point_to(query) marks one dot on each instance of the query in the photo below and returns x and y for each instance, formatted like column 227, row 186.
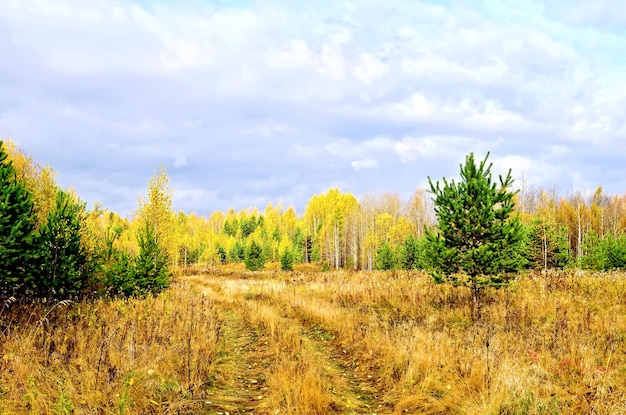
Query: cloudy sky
column 247, row 102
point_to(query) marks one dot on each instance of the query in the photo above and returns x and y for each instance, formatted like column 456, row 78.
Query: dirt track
column 273, row 359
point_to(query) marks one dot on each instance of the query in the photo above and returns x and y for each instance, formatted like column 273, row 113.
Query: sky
column 250, row 102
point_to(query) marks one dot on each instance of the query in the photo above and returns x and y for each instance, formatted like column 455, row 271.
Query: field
column 232, row 342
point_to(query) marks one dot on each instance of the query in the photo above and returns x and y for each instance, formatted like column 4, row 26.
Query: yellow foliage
column 157, row 210
column 40, row 181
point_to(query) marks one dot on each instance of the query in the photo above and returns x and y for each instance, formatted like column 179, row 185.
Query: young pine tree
column 237, row 253
column 286, row 260
column 385, row 258
column 477, row 240
column 19, row 248
column 547, row 245
column 411, row 255
column 65, row 261
column 152, row 274
column 254, row 259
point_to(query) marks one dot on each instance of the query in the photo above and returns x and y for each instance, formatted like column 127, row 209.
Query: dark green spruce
column 19, row 250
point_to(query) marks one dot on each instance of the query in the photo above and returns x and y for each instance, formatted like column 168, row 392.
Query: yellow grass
column 323, row 343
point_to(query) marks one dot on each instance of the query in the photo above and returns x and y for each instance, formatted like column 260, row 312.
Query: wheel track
column 239, row 382
column 351, row 394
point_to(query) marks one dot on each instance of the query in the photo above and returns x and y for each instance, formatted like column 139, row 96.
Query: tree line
column 384, row 232
column 52, row 246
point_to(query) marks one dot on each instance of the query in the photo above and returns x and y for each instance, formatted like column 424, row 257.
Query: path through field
column 273, row 357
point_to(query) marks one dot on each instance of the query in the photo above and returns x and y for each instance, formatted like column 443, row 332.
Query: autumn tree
column 419, row 212
column 39, row 180
column 19, row 250
column 476, row 241
column 156, row 239
column 156, row 211
column 326, row 217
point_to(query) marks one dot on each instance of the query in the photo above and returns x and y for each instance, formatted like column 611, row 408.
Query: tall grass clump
column 151, row 355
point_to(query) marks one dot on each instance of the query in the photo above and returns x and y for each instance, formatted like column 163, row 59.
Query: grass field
column 323, row 343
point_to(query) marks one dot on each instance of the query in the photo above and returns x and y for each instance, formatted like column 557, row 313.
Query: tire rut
column 239, row 382
column 351, row 393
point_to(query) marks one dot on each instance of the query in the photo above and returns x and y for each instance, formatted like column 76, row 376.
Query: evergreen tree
column 248, row 226
column 156, row 210
column 476, row 242
column 221, row 253
column 385, row 258
column 65, row 261
column 596, row 255
column 119, row 275
column 237, row 253
column 316, row 255
column 269, row 254
column 19, row 249
column 298, row 241
column 152, row 274
column 547, row 245
column 410, row 254
column 230, row 229
column 616, row 251
column 254, row 259
column 286, row 261
column 604, row 254
column 116, row 267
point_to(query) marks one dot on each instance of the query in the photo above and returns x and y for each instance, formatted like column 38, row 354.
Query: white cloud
column 414, row 107
column 364, row 164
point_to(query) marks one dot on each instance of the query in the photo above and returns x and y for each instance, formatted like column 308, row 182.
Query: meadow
column 308, row 342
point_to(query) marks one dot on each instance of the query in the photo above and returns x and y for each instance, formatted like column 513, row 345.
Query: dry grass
column 137, row 356
column 324, row 343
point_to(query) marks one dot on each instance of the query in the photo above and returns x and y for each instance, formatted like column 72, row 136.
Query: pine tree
column 237, row 253
column 410, row 254
column 477, row 239
column 152, row 273
column 19, row 250
column 547, row 245
column 299, row 252
column 606, row 254
column 286, row 261
column 119, row 275
column 616, row 247
column 254, row 259
column 65, row 261
column 385, row 258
